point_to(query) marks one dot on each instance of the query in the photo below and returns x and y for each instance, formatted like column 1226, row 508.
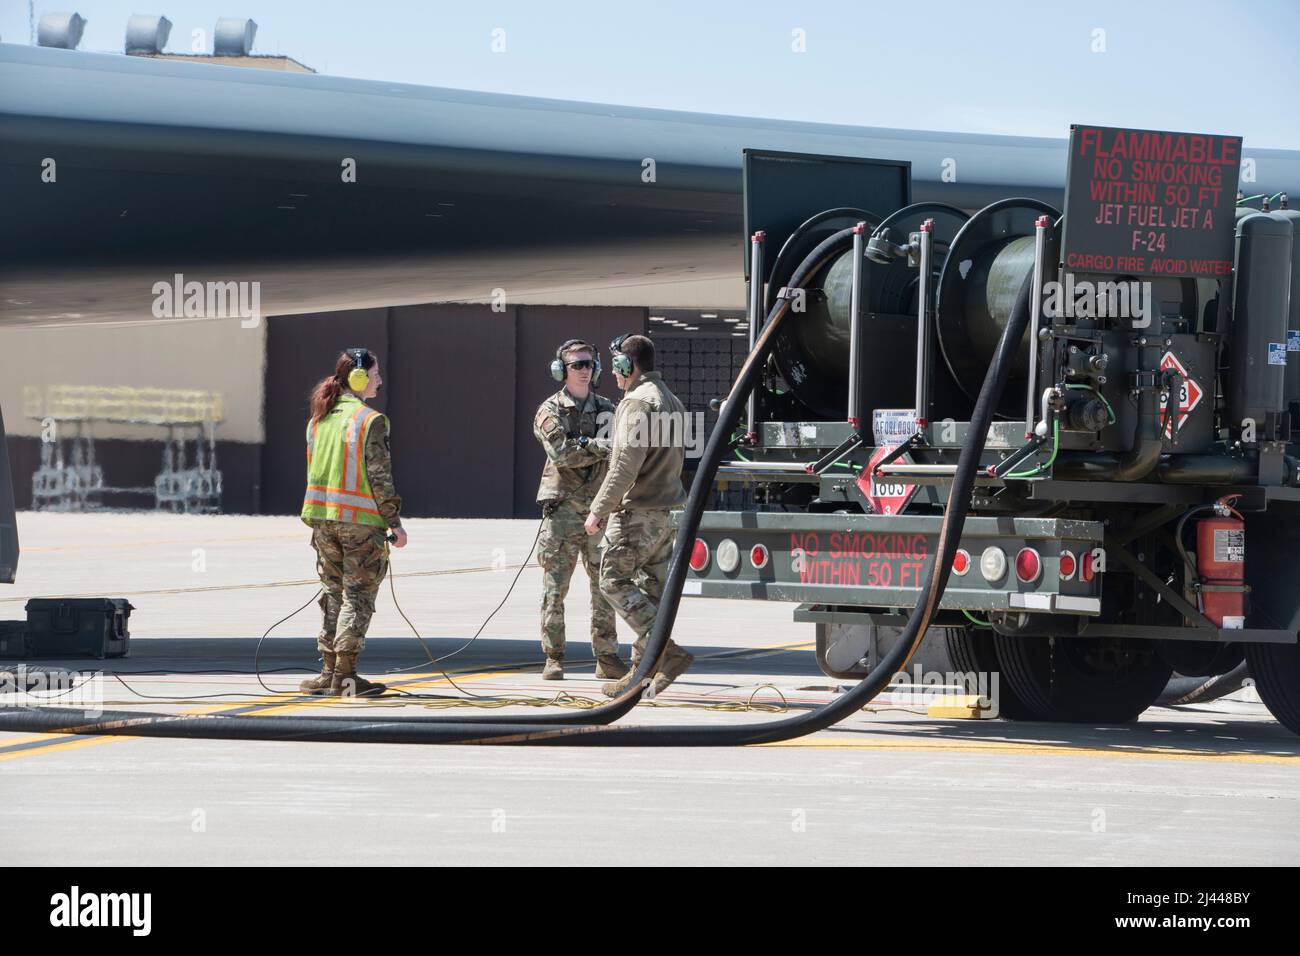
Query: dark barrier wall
column 452, row 403
column 461, row 385
column 300, row 350
column 541, row 328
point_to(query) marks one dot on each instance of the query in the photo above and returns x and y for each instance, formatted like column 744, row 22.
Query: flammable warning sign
column 1150, row 203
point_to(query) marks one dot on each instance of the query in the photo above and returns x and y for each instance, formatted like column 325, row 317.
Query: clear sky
column 994, row 66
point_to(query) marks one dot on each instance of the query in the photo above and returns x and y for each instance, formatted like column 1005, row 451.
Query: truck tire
column 971, row 651
column 1276, row 670
column 1083, row 680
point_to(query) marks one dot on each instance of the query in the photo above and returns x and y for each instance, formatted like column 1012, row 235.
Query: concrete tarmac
column 1219, row 782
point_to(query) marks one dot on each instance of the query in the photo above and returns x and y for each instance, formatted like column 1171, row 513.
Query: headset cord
column 437, row 661
column 434, row 661
column 257, row 667
column 257, row 672
column 257, row 652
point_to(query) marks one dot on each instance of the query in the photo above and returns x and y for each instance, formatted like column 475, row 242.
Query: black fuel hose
column 1201, row 690
column 821, row 256
column 516, row 731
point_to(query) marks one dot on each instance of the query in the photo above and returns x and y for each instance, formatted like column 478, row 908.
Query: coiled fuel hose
column 582, row 728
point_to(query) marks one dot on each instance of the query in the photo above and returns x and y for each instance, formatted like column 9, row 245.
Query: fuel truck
column 1135, row 510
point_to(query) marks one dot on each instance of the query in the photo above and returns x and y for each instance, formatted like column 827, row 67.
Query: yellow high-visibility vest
column 338, row 487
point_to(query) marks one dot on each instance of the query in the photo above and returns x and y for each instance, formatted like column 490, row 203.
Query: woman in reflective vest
column 354, row 511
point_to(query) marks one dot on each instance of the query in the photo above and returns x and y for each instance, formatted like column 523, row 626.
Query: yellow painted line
column 293, row 705
column 52, row 747
column 29, row 739
column 796, row 646
column 199, row 711
column 1037, row 749
column 59, row 742
column 317, row 702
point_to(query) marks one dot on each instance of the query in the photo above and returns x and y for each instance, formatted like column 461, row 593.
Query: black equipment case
column 78, row 627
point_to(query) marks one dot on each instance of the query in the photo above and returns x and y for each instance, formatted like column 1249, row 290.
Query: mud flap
column 1273, row 566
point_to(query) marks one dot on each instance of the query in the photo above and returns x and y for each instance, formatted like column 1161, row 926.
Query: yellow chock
column 958, row 707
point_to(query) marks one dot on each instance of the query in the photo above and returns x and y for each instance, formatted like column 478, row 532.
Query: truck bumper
column 879, row 561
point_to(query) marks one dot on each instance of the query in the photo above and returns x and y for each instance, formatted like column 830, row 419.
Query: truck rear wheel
column 972, row 652
column 1095, row 680
column 1276, row 670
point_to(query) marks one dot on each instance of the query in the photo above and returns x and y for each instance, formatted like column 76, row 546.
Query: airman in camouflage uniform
column 568, row 425
column 643, row 485
column 352, row 559
column 351, row 552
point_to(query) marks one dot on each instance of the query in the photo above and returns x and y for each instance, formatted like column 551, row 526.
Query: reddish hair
column 329, row 389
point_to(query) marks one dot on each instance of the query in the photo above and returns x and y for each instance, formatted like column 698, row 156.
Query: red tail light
column 1068, row 566
column 699, row 555
column 1029, row 566
column 758, row 556
column 961, row 562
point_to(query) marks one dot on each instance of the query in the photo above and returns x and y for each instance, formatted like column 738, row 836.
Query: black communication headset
column 622, row 361
column 358, row 378
column 558, row 365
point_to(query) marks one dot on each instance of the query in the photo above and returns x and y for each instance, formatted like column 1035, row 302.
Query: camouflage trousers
column 562, row 544
column 351, row 560
column 638, row 546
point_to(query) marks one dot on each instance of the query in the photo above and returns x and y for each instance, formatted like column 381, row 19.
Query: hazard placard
column 887, row 496
column 1189, row 396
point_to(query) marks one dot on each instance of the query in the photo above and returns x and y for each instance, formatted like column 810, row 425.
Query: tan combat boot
column 346, row 681
column 321, row 683
column 676, row 661
column 554, row 670
column 610, row 667
column 616, row 688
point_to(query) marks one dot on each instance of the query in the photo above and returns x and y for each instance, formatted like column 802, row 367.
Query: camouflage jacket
column 379, row 469
column 645, row 463
column 571, row 471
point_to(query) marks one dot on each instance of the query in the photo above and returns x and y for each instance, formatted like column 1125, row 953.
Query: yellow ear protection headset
column 558, row 367
column 358, row 380
column 622, row 361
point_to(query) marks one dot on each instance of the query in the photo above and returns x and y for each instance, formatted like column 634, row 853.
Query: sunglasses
column 581, row 364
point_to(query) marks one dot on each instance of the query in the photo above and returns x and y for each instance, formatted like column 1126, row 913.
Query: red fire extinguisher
column 1221, row 566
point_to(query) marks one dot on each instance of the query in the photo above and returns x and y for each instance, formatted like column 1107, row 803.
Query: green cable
column 1109, row 411
column 1056, row 446
column 1250, row 198
column 974, row 620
